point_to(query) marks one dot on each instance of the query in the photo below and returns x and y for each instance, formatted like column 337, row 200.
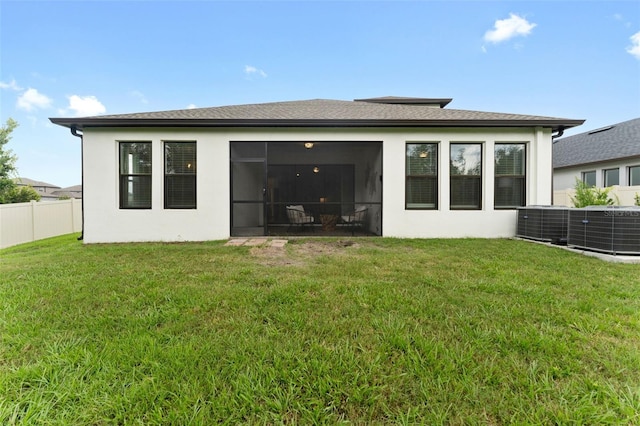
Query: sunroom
column 329, row 180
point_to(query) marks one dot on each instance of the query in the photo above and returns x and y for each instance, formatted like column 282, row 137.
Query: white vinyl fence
column 621, row 195
column 25, row 222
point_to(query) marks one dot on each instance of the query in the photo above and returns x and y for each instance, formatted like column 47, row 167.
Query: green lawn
column 367, row 331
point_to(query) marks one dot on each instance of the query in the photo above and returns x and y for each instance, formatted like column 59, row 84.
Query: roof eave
column 596, row 162
column 83, row 123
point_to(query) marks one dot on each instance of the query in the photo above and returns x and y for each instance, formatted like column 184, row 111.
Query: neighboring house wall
column 612, row 147
column 106, row 222
column 25, row 222
column 43, row 188
column 565, row 178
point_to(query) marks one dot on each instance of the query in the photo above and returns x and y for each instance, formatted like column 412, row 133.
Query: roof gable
column 374, row 112
column 618, row 141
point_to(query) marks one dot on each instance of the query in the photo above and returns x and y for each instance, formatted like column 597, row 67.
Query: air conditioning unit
column 613, row 230
column 543, row 223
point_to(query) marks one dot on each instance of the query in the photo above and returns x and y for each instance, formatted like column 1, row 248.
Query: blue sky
column 570, row 59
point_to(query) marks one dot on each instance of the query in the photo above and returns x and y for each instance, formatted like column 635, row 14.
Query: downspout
column 559, row 134
column 74, row 132
column 553, row 138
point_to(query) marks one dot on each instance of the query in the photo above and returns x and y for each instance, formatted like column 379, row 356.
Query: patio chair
column 356, row 219
column 299, row 217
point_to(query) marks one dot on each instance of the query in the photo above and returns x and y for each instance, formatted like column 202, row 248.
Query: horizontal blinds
column 180, row 175
column 509, row 192
column 135, row 158
column 180, row 157
column 421, row 186
column 510, row 159
column 466, row 159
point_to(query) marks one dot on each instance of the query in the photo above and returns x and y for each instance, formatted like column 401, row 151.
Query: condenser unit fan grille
column 605, row 229
column 543, row 223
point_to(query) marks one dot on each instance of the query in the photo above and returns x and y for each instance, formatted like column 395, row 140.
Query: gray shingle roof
column 34, row 183
column 618, row 141
column 322, row 112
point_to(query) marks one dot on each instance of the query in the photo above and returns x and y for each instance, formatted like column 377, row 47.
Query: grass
column 324, row 331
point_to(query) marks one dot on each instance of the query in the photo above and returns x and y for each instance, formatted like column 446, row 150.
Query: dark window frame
column 180, row 176
column 130, row 179
column 589, row 173
column 518, row 181
column 429, row 178
column 606, row 178
column 631, row 175
column 468, row 183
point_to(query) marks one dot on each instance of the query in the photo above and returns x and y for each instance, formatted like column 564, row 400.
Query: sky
column 577, row 59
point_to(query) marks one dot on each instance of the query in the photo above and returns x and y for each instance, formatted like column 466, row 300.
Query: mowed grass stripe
column 366, row 331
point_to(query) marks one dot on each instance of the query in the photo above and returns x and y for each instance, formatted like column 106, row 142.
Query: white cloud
column 251, row 70
column 32, row 99
column 12, row 85
column 86, row 105
column 634, row 49
column 191, row 106
column 505, row 29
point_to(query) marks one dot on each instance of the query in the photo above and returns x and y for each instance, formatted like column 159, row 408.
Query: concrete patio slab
column 278, row 243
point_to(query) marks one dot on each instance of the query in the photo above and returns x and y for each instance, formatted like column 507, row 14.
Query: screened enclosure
column 329, row 181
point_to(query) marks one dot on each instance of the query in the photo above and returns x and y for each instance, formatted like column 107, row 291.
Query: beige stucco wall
column 621, row 196
column 105, row 222
column 565, row 178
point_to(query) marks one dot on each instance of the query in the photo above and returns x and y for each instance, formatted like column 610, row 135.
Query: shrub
column 587, row 195
column 22, row 194
column 637, row 198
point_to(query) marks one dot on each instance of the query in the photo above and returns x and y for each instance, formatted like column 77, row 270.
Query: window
column 466, row 176
column 589, row 178
column 611, row 177
column 135, row 175
column 634, row 175
column 180, row 175
column 421, row 190
column 510, row 166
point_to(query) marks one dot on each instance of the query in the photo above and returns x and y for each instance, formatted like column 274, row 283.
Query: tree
column 9, row 191
column 7, row 161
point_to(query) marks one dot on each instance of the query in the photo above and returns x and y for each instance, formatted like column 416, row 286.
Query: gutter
column 80, row 123
column 74, row 132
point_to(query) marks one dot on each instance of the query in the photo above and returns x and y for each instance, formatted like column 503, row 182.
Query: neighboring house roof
column 615, row 142
column 374, row 112
column 50, row 191
column 71, row 191
column 35, row 184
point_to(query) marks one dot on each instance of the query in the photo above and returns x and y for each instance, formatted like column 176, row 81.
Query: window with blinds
column 421, row 188
column 465, row 168
column 180, row 175
column 135, row 175
column 510, row 175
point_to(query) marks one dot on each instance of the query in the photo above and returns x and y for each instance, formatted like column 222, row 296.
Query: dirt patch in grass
column 300, row 253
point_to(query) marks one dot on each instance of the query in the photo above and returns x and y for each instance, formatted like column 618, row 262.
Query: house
column 50, row 192
column 604, row 157
column 44, row 189
column 419, row 168
column 74, row 191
